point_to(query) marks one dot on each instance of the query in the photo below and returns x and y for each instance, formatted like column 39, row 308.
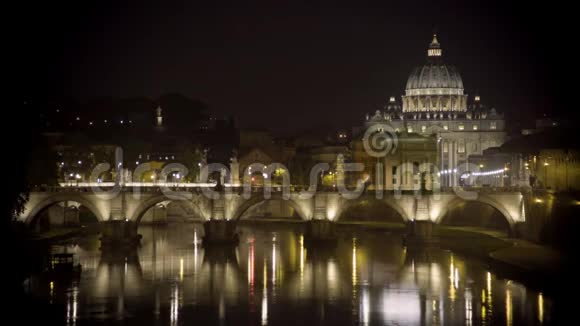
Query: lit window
column 445, row 147
column 410, row 129
column 461, row 127
column 423, row 128
column 461, row 147
column 445, row 127
column 492, row 125
column 474, row 127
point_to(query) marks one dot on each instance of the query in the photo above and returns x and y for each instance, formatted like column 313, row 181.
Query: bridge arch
column 145, row 205
column 389, row 204
column 256, row 200
column 59, row 198
column 481, row 199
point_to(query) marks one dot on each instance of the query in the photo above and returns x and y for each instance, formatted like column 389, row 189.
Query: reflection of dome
column 434, row 86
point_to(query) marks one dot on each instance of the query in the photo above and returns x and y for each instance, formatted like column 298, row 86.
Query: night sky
column 281, row 63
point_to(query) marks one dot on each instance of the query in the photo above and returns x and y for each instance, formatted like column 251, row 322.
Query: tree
column 181, row 112
column 191, row 159
column 299, row 167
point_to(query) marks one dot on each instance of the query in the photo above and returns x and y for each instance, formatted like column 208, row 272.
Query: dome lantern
column 434, row 48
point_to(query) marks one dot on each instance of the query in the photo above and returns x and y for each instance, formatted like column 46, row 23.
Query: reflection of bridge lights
column 540, row 307
column 468, row 307
column 174, row 306
column 274, row 263
column 181, row 269
column 51, row 293
column 72, row 306
column 508, row 306
column 402, row 307
column 251, row 266
column 301, row 256
column 265, row 294
column 365, row 306
column 354, row 278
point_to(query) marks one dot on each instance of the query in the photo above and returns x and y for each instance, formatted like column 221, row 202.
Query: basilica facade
column 436, row 110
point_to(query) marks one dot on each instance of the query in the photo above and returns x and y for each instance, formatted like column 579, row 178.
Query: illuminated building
column 436, row 109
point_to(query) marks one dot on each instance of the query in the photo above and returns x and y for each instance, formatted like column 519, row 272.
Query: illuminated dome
column 434, row 86
column 434, row 79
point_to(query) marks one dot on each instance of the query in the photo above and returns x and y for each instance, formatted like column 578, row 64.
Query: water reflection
column 272, row 278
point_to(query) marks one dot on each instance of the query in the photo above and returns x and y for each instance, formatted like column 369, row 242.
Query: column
column 453, row 175
column 234, row 172
column 449, row 161
column 388, row 175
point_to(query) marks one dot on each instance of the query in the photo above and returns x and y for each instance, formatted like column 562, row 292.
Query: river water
column 273, row 278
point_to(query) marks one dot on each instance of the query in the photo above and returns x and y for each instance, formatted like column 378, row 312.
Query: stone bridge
column 129, row 205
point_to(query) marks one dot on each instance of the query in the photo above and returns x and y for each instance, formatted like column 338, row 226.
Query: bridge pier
column 119, row 234
column 220, row 232
column 321, row 232
column 421, row 232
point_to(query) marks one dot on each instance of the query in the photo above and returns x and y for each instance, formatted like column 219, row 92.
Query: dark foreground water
column 272, row 278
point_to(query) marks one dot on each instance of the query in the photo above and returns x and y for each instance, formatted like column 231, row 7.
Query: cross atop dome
column 434, row 48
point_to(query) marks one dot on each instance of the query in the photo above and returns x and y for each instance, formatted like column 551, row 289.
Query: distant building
column 436, row 112
column 548, row 159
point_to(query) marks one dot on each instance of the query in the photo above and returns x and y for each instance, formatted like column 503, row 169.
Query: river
column 273, row 278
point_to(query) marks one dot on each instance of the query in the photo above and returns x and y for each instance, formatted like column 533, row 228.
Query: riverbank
column 536, row 265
